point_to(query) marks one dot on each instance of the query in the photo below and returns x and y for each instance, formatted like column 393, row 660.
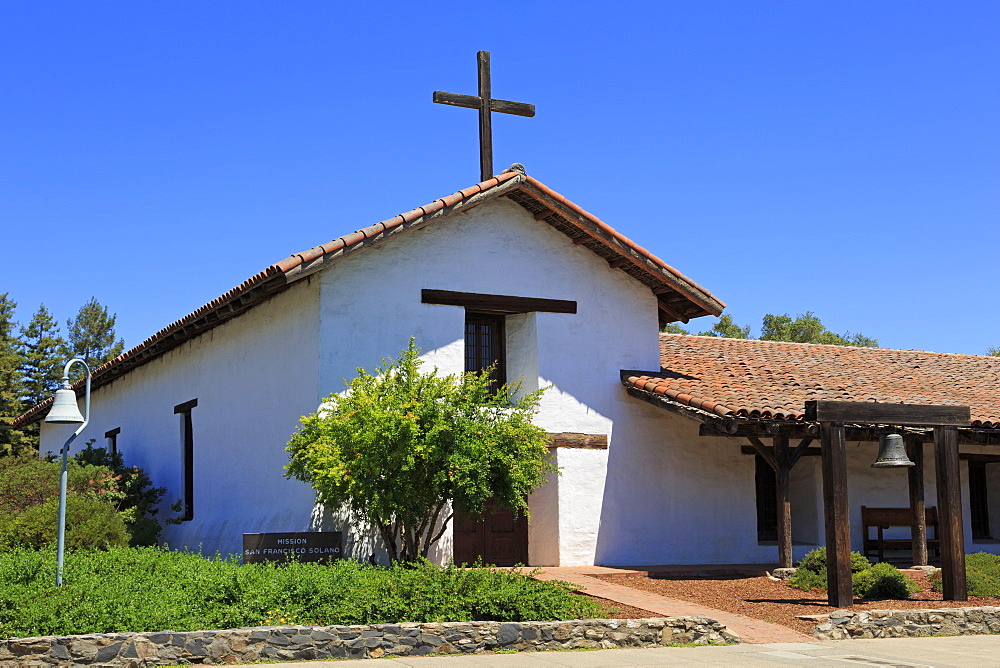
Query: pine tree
column 92, row 335
column 11, row 388
column 45, row 353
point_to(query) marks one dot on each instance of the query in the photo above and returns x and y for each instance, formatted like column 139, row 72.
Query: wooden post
column 781, row 455
column 949, row 500
column 918, row 509
column 485, row 117
column 835, row 511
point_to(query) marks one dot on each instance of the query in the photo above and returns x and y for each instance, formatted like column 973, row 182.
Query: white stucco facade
column 254, row 376
column 658, row 494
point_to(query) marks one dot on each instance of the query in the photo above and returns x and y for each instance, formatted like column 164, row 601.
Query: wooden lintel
column 583, row 441
column 614, row 264
column 863, row 412
column 542, row 215
column 186, row 406
column 500, row 303
column 764, row 452
column 976, row 457
column 583, row 240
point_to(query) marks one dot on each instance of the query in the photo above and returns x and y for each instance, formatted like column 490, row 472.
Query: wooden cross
column 485, row 104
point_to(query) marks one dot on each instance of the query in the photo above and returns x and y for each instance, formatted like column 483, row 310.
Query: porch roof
column 772, row 380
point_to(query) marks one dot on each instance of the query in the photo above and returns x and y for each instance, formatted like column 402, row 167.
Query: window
column 187, row 455
column 767, row 501
column 484, row 345
column 112, row 440
column 978, row 501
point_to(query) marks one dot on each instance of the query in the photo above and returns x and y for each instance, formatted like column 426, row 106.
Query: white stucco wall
column 253, row 376
column 371, row 305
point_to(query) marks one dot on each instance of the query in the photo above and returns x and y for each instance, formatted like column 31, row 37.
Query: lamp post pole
column 66, row 411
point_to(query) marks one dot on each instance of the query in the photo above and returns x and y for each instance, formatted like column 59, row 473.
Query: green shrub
column 138, row 497
column 982, row 575
column 90, row 523
column 811, row 572
column 152, row 589
column 96, row 482
column 815, row 561
column 882, row 581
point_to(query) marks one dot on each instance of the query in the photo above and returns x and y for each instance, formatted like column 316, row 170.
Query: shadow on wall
column 361, row 542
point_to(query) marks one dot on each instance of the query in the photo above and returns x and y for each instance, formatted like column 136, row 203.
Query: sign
column 292, row 546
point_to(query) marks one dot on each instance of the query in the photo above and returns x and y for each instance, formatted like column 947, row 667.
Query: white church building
column 660, row 438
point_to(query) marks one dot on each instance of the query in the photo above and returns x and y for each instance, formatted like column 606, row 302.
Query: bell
column 891, row 452
column 64, row 407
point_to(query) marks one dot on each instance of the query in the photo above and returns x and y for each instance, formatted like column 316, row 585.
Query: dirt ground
column 773, row 601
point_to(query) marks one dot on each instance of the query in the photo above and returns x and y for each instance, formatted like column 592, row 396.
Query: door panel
column 499, row 538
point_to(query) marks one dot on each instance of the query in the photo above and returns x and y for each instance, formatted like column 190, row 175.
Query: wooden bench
column 881, row 519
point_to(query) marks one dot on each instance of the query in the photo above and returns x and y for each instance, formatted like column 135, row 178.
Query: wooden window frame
column 187, row 450
column 498, row 321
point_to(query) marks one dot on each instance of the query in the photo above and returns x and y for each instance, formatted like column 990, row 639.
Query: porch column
column 837, row 520
column 949, row 500
column 781, row 455
column 918, row 510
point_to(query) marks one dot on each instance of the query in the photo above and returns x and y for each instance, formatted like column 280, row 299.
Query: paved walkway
column 949, row 652
column 750, row 630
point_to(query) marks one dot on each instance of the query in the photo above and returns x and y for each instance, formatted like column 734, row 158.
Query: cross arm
column 475, row 102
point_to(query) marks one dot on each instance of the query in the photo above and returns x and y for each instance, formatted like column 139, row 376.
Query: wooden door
column 498, row 538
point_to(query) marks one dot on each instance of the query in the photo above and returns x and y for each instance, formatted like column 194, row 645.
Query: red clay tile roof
column 772, row 380
column 678, row 297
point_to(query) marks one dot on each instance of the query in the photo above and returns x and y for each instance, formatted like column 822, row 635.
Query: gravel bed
column 774, row 601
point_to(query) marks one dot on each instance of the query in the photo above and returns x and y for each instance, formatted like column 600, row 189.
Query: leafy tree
column 802, row 329
column 12, row 441
column 45, row 353
column 92, row 334
column 994, row 352
column 726, row 328
column 403, row 450
column 808, row 329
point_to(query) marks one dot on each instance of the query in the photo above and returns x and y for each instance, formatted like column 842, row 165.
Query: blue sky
column 841, row 158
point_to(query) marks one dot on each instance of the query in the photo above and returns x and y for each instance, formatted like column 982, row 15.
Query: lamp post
column 65, row 410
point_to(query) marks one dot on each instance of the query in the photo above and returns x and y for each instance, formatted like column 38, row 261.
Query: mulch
column 774, row 601
column 621, row 611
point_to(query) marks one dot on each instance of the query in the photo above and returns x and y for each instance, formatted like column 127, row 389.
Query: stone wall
column 309, row 642
column 846, row 625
